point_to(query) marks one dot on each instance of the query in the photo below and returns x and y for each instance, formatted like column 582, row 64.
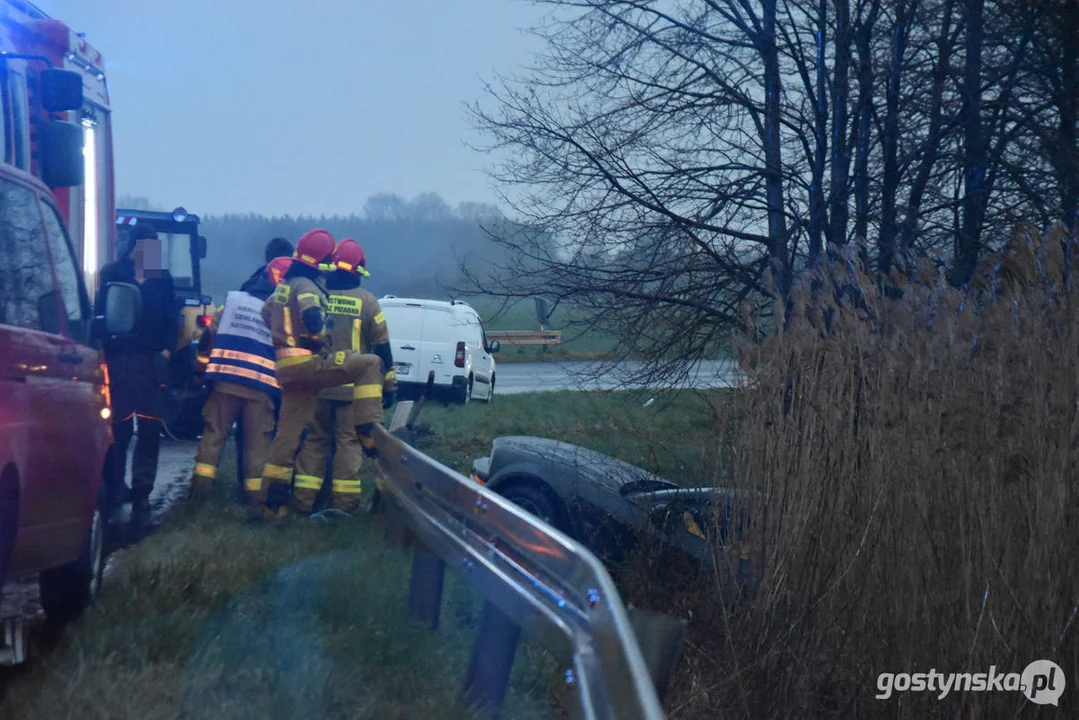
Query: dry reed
column 915, row 461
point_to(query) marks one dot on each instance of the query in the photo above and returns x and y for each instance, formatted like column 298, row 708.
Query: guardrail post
column 396, row 529
column 425, row 589
column 399, row 427
column 488, row 675
column 660, row 638
column 397, row 533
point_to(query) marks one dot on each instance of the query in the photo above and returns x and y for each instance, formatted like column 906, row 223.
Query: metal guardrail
column 533, row 577
column 523, row 338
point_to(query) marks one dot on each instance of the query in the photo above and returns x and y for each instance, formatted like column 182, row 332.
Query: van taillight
column 459, row 358
column 204, row 320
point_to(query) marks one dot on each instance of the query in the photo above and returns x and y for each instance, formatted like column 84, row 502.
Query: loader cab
column 183, row 250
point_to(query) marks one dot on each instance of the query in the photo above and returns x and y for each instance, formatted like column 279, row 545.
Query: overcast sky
column 298, row 106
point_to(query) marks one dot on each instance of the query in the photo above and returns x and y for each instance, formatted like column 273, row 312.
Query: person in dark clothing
column 138, row 367
column 277, row 248
column 261, row 285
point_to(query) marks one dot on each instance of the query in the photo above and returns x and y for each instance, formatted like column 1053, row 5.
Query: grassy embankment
column 209, row 618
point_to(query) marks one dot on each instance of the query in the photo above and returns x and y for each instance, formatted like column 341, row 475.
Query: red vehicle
column 55, row 229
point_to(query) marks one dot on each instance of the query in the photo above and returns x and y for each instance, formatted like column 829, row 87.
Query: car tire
column 490, row 391
column 532, row 497
column 464, row 395
column 68, row 590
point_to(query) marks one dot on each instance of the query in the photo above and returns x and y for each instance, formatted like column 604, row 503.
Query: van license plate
column 402, row 368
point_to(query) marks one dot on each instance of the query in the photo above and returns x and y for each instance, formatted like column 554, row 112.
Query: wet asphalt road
column 174, row 465
column 513, row 378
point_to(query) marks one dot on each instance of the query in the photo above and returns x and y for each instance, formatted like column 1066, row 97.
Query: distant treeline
column 414, row 247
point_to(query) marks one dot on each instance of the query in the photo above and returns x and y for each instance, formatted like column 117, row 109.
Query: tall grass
column 914, row 469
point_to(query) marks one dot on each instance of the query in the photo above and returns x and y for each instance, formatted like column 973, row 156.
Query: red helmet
column 348, row 255
column 315, row 246
column 277, row 268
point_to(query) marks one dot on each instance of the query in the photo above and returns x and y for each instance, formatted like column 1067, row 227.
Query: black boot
column 140, row 525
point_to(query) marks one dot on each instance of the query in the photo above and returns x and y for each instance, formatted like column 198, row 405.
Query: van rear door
column 405, row 324
column 439, row 343
column 482, row 363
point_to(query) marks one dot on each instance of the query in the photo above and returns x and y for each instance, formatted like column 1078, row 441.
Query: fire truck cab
column 56, row 125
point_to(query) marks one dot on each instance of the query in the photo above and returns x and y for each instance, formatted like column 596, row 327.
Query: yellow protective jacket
column 355, row 322
column 284, row 315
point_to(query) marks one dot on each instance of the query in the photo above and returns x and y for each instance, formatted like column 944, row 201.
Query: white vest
column 243, row 349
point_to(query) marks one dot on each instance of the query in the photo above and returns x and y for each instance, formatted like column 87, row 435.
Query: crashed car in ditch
column 613, row 507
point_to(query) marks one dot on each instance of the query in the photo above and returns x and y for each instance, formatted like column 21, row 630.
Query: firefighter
column 355, row 322
column 239, row 357
column 138, row 368
column 307, row 362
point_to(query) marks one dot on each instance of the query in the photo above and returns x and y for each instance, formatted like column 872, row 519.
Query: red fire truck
column 56, row 229
column 69, row 149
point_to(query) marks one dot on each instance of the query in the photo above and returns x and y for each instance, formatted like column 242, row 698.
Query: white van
column 446, row 337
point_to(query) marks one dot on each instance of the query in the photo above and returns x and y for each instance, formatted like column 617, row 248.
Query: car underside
column 618, row 510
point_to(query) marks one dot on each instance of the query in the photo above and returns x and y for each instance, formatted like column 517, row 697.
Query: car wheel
column 490, row 391
column 464, row 395
column 68, row 590
column 532, row 498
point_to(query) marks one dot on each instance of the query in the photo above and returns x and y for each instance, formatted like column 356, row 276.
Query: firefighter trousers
column 302, row 379
column 334, row 426
column 255, row 412
column 367, row 407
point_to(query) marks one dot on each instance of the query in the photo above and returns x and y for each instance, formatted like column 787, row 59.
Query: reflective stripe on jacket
column 243, row 351
column 284, row 310
column 355, row 326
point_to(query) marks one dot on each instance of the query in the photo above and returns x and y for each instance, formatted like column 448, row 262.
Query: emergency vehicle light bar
column 5, row 56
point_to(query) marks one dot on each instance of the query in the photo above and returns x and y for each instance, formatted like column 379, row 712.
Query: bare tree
column 839, row 200
column 974, row 153
column 385, row 207
column 1049, row 110
column 650, row 142
column 677, row 150
column 937, row 128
